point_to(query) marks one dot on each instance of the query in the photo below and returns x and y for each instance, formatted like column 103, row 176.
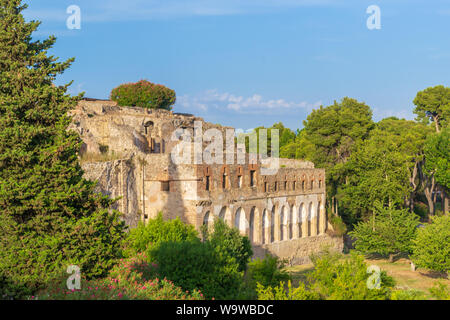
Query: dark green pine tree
column 50, row 217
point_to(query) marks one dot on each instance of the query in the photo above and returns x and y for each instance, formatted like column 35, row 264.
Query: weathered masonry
column 128, row 150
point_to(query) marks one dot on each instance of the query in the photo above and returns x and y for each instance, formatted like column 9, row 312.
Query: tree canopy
column 433, row 104
column 50, row 216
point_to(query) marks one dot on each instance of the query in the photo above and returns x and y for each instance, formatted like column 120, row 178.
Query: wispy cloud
column 379, row 114
column 254, row 104
column 119, row 10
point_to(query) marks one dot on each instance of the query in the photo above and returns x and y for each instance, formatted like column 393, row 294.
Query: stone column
column 313, row 223
column 305, row 227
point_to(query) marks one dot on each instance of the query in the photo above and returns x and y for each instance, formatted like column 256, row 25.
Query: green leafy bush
column 268, row 271
column 338, row 224
column 336, row 277
column 431, row 247
column 198, row 265
column 145, row 236
column 228, row 241
column 389, row 232
column 31, row 261
column 50, row 216
column 421, row 209
column 281, row 293
column 130, row 279
column 144, row 94
column 440, row 291
column 407, row 295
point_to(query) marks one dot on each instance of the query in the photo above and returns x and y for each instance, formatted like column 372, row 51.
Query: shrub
column 407, row 295
column 91, row 242
column 390, row 232
column 421, row 209
column 440, row 291
column 338, row 224
column 336, row 277
column 228, row 241
column 144, row 94
column 268, row 271
column 281, row 293
column 145, row 236
column 50, row 216
column 131, row 279
column 198, row 265
column 431, row 248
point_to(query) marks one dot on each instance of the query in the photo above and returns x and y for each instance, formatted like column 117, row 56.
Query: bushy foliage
column 407, row 295
column 431, row 247
column 130, row 279
column 345, row 278
column 281, row 293
column 228, row 241
column 440, row 291
column 144, row 94
column 437, row 154
column 265, row 272
column 199, row 265
column 50, row 215
column 157, row 230
column 335, row 277
column 268, row 271
column 214, row 266
column 390, row 231
column 340, row 228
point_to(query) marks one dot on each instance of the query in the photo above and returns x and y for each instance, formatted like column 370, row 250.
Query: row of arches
column 276, row 224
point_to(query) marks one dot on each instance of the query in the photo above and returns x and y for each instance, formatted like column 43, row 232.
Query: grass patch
column 420, row 280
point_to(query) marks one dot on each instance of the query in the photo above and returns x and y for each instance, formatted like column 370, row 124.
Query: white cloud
column 213, row 99
column 379, row 114
column 119, row 10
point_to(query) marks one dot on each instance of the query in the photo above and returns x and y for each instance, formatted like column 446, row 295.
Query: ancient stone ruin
column 128, row 151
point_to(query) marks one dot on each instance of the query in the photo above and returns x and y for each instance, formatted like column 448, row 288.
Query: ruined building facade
column 128, row 151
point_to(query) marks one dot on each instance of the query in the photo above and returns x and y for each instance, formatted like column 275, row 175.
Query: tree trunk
column 391, row 257
column 436, row 123
column 444, row 199
column 412, row 182
column 429, row 185
column 430, row 205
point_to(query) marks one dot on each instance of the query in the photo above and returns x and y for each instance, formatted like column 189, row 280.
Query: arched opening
column 265, row 227
column 148, row 126
column 225, row 215
column 303, row 226
column 318, row 219
column 310, row 216
column 284, row 223
column 208, row 220
column 240, row 221
column 272, row 225
column 252, row 229
column 293, row 229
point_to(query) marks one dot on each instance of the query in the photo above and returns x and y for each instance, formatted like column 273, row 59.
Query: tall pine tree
column 50, row 216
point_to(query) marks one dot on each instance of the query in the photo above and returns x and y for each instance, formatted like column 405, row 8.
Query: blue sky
column 255, row 62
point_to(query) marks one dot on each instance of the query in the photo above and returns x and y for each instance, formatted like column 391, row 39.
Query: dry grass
column 400, row 270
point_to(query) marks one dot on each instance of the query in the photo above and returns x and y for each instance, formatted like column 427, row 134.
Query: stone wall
column 298, row 251
column 282, row 213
